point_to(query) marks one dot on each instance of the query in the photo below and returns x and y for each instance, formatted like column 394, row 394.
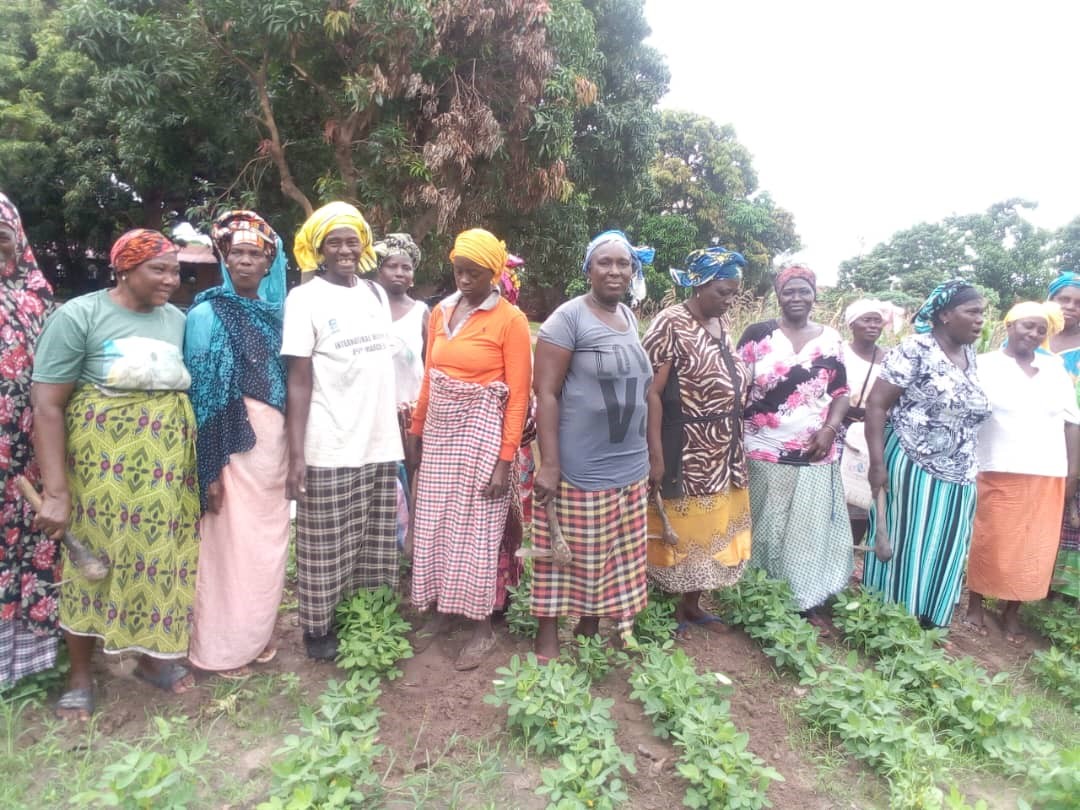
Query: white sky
column 865, row 118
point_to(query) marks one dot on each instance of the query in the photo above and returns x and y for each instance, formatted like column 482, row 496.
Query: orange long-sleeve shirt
column 493, row 344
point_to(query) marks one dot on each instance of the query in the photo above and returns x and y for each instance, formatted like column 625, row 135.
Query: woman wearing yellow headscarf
column 1029, row 459
column 467, row 423
column 341, row 420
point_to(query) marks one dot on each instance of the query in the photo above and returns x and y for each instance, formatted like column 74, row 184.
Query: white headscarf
column 865, row 306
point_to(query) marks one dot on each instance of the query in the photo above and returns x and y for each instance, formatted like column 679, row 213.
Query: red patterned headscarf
column 138, row 246
column 243, row 227
column 786, row 274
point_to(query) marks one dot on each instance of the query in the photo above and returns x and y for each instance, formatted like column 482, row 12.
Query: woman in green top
column 115, row 439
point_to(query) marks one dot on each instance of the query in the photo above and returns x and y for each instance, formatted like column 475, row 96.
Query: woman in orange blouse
column 465, row 433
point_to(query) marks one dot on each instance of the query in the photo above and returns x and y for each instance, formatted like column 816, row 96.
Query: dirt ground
column 434, row 713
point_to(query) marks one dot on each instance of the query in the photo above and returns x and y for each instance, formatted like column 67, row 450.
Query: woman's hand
column 546, row 483
column 414, row 447
column 878, row 477
column 821, row 443
column 296, row 483
column 656, row 471
column 500, row 480
column 215, row 493
column 52, row 518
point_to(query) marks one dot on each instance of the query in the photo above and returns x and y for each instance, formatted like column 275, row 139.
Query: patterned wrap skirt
column 606, row 532
column 346, row 538
column 801, row 530
column 930, row 524
column 131, row 471
column 714, row 541
column 457, row 531
column 1066, row 578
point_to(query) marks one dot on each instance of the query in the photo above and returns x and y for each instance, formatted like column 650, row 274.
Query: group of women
column 170, row 447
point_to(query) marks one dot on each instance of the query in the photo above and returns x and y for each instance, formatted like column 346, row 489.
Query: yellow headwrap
column 483, row 248
column 312, row 233
column 1047, row 310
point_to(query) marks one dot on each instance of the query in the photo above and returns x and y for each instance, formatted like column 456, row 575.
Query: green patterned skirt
column 131, row 470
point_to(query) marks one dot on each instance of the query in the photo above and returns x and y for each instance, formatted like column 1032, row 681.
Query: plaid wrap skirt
column 346, row 538
column 457, row 531
column 606, row 532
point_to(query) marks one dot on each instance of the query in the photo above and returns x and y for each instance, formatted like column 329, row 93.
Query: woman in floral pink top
column 798, row 399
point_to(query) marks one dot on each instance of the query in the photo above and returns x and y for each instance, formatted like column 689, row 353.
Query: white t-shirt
column 408, row 359
column 346, row 333
column 1026, row 429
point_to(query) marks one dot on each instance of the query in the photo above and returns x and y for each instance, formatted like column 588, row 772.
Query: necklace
column 597, row 302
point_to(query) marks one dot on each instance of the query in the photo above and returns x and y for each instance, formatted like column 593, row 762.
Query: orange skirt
column 1015, row 538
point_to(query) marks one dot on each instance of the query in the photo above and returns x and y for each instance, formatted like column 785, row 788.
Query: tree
column 1064, row 249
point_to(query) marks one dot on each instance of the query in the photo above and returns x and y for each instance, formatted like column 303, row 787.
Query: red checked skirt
column 457, row 531
column 606, row 532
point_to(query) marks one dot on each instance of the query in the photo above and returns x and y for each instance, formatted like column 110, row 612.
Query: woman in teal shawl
column 232, row 347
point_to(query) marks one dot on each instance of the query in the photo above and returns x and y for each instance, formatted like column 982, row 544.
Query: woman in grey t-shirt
column 591, row 378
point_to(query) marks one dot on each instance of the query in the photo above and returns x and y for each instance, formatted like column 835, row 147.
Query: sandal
column 76, row 700
column 238, row 674
column 165, row 678
column 473, row 655
column 267, row 655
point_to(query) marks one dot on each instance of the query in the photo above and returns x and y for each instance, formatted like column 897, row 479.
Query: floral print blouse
column 938, row 415
column 791, row 391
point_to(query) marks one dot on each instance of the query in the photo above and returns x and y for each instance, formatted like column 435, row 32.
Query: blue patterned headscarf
column 1066, row 279
column 232, row 347
column 702, row 266
column 943, row 297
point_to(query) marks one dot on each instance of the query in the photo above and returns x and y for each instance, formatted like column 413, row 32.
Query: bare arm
column 423, row 334
column 50, row 447
column 656, row 423
column 883, row 396
column 297, row 408
column 549, row 373
column 822, row 441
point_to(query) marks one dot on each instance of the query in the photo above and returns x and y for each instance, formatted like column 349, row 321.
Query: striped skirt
column 457, row 531
column 606, row 532
column 929, row 522
column 1066, row 578
column 346, row 538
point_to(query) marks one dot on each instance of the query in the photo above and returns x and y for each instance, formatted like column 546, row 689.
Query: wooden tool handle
column 29, row 493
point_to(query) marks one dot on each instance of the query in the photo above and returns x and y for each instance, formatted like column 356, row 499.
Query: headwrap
column 232, row 346
column 944, row 296
column 394, row 244
column 138, row 246
column 482, row 247
column 786, row 274
column 1066, row 279
column 243, row 228
column 1047, row 310
column 702, row 266
column 312, row 234
column 639, row 257
column 865, row 306
column 510, row 281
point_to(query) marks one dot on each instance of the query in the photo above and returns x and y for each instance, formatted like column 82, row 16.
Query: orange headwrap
column 138, row 246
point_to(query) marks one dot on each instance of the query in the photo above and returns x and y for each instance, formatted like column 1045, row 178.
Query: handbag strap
column 869, row 371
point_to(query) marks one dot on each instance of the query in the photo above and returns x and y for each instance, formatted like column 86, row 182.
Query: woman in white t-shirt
column 862, row 360
column 398, row 257
column 1029, row 459
column 341, row 418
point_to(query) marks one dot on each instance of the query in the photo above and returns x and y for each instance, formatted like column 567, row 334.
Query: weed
column 1057, row 620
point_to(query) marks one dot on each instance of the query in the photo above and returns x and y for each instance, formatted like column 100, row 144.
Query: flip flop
column 266, row 656
column 165, row 679
column 682, row 631
column 708, row 618
column 238, row 674
column 76, row 700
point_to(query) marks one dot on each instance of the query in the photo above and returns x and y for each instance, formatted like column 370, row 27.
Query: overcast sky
column 865, row 118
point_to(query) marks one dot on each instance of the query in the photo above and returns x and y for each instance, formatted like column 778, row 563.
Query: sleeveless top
column 408, row 359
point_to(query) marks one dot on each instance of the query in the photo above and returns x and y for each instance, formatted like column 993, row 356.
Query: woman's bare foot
column 481, row 643
column 166, row 674
column 435, row 626
column 587, row 626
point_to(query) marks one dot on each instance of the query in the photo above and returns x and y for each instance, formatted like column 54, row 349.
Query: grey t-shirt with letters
column 602, row 410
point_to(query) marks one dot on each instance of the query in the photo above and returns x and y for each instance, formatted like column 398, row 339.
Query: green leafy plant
column 656, row 623
column 1059, row 672
column 371, row 633
column 1057, row 620
column 595, row 657
column 519, row 620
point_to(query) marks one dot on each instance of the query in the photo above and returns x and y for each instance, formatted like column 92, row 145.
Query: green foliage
column 1057, row 620
column 147, row 778
column 551, row 709
column 1060, row 672
column 656, row 623
column 371, row 633
column 519, row 618
column 595, row 657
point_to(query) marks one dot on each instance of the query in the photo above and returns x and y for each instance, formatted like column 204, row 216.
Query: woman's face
column 1027, row 334
column 867, row 328
column 247, row 265
column 964, row 323
column 396, row 274
column 473, row 280
column 610, row 271
column 7, row 244
column 340, row 251
column 797, row 298
column 154, row 281
column 1069, row 301
column 716, row 297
